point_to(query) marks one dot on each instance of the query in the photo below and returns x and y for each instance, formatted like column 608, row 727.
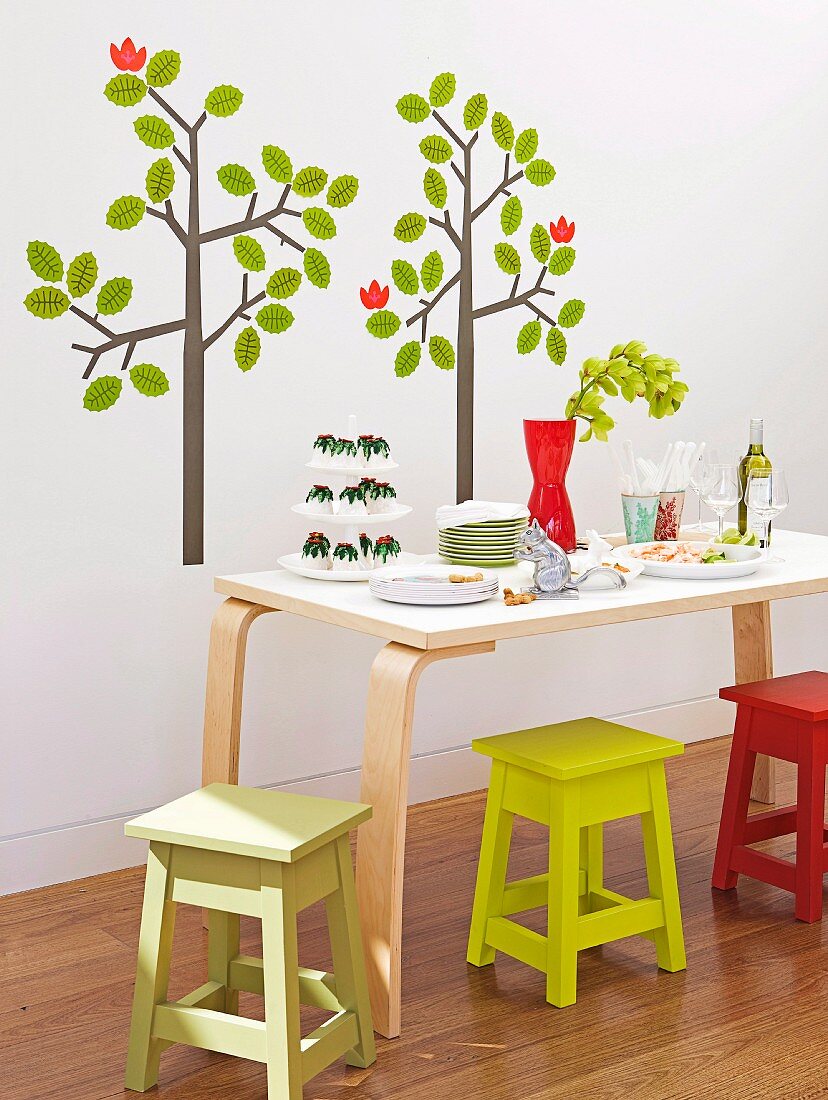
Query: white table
column 416, row 637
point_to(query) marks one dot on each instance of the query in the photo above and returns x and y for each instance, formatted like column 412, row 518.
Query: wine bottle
column 754, row 461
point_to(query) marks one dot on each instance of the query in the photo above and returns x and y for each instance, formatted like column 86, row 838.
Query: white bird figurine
column 597, row 548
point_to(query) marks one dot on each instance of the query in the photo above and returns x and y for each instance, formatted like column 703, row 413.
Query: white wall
column 689, row 141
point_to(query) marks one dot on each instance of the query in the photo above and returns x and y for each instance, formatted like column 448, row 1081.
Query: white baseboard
column 66, row 853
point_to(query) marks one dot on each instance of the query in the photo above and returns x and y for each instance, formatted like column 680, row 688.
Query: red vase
column 549, row 446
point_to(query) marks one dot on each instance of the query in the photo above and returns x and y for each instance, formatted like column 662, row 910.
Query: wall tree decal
column 455, row 203
column 170, row 132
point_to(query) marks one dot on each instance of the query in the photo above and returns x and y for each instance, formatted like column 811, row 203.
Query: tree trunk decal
column 171, row 131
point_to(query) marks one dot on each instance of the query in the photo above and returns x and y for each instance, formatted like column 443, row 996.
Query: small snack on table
column 462, row 578
column 386, row 549
column 352, row 501
column 345, row 558
column 320, row 500
column 366, row 551
column 380, row 498
column 512, row 599
column 323, row 450
column 345, row 453
column 316, row 551
column 375, row 450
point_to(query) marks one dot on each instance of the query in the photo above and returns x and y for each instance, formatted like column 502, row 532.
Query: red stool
column 787, row 718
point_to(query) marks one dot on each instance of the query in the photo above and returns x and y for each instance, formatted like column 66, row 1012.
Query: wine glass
column 721, row 492
column 702, row 474
column 766, row 494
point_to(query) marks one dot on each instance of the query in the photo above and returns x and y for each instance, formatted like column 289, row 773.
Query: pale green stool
column 573, row 777
column 267, row 854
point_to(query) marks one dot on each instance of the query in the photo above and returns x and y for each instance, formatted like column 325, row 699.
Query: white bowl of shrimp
column 697, row 561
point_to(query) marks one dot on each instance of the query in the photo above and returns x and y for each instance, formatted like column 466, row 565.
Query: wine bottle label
column 755, row 524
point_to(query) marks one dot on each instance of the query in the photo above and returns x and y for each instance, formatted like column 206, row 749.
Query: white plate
column 352, row 471
column 742, row 562
column 294, row 564
column 472, row 540
column 578, row 563
column 351, row 520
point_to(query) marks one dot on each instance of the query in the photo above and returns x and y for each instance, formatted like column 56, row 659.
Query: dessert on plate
column 345, row 453
column 320, row 500
column 316, row 553
column 345, row 558
column 323, row 450
column 386, row 550
column 375, row 451
column 352, row 501
column 381, row 498
column 366, row 551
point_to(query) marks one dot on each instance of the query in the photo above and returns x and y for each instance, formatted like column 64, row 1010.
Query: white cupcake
column 382, row 499
column 352, row 501
column 345, row 454
column 377, row 453
column 366, row 551
column 386, row 550
column 320, row 500
column 345, row 558
column 323, row 450
column 316, row 553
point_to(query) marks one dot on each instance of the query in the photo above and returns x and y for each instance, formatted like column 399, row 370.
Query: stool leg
column 591, row 860
column 348, row 958
column 222, row 948
column 736, row 800
column 491, row 869
column 281, row 982
column 810, row 816
column 564, row 872
column 661, row 872
column 153, row 971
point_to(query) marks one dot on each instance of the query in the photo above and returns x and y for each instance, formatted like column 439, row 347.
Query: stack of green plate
column 489, row 543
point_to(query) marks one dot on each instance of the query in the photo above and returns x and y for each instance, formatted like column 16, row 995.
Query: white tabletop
column 804, row 572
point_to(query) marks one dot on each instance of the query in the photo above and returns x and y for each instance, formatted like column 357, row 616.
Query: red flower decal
column 374, row 297
column 128, row 59
column 562, row 233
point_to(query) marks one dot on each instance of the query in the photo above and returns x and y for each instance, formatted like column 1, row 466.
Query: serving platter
column 352, row 471
column 294, row 563
column 349, row 518
column 742, row 561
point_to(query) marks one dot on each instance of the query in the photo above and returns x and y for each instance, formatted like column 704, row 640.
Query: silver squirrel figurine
column 553, row 573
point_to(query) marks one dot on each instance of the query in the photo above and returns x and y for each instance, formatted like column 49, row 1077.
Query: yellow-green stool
column 266, row 854
column 573, row 777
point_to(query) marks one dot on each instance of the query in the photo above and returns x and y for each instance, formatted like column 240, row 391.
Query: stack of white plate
column 430, row 584
column 490, row 543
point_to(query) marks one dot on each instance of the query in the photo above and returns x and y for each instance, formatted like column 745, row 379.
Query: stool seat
column 803, row 695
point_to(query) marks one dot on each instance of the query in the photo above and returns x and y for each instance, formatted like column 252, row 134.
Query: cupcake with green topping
column 377, row 452
column 320, row 500
column 366, row 551
column 323, row 450
column 382, row 498
column 386, row 550
column 316, row 553
column 364, row 448
column 352, row 501
column 345, row 558
column 345, row 453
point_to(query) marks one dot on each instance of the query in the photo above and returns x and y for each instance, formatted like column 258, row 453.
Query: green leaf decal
column 82, row 274
column 435, row 187
column 413, row 108
column 162, row 68
column 274, row 318
column 571, row 313
column 562, row 260
column 503, row 131
column 45, row 261
column 126, row 212
column 507, row 257
column 308, row 182
column 410, row 228
column 317, row 268
column 529, row 337
column 160, row 180
column 284, row 282
column 319, row 223
column 511, row 215
column 475, row 111
column 405, row 278
column 223, row 101
column 114, row 295
column 382, row 323
column 236, row 179
column 249, row 253
column 442, row 90
column 125, row 90
column 540, row 172
column 46, row 302
column 149, row 380
column 436, row 149
column 247, row 348
column 526, row 146
column 102, row 393
column 556, row 346
column 343, row 191
column 441, row 352
column 540, row 243
column 407, row 359
column 431, row 272
column 154, row 131
column 277, row 164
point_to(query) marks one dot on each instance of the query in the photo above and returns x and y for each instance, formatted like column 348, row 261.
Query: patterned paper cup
column 668, row 518
column 639, row 517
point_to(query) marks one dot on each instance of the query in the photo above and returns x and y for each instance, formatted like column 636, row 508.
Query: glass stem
column 766, row 537
column 721, row 523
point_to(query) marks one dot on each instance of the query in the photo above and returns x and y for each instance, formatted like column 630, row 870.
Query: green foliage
column 319, row 223
column 274, row 318
column 383, row 323
column 154, row 131
column 223, row 101
column 436, row 149
column 308, row 182
column 556, row 346
column 571, row 313
column 511, row 215
column 125, row 90
column 160, row 180
column 407, row 359
column 442, row 90
column 162, row 68
column 539, row 172
column 249, row 253
column 102, row 393
column 149, row 380
column 277, row 164
column 247, row 348
column 540, row 243
column 405, row 278
column 126, row 212
column 236, row 179
column 435, row 187
column 44, row 260
column 529, row 337
column 562, row 260
column 503, row 131
column 284, row 282
column 317, row 268
column 526, row 145
column 475, row 111
column 82, row 274
column 114, row 295
column 507, row 257
column 343, row 191
column 431, row 272
column 46, row 302
column 410, row 228
column 441, row 352
column 413, row 108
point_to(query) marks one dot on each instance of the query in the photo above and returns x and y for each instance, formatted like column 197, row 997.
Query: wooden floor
column 748, row 1019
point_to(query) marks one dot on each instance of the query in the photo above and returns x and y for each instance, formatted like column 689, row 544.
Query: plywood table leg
column 381, row 841
column 753, row 660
